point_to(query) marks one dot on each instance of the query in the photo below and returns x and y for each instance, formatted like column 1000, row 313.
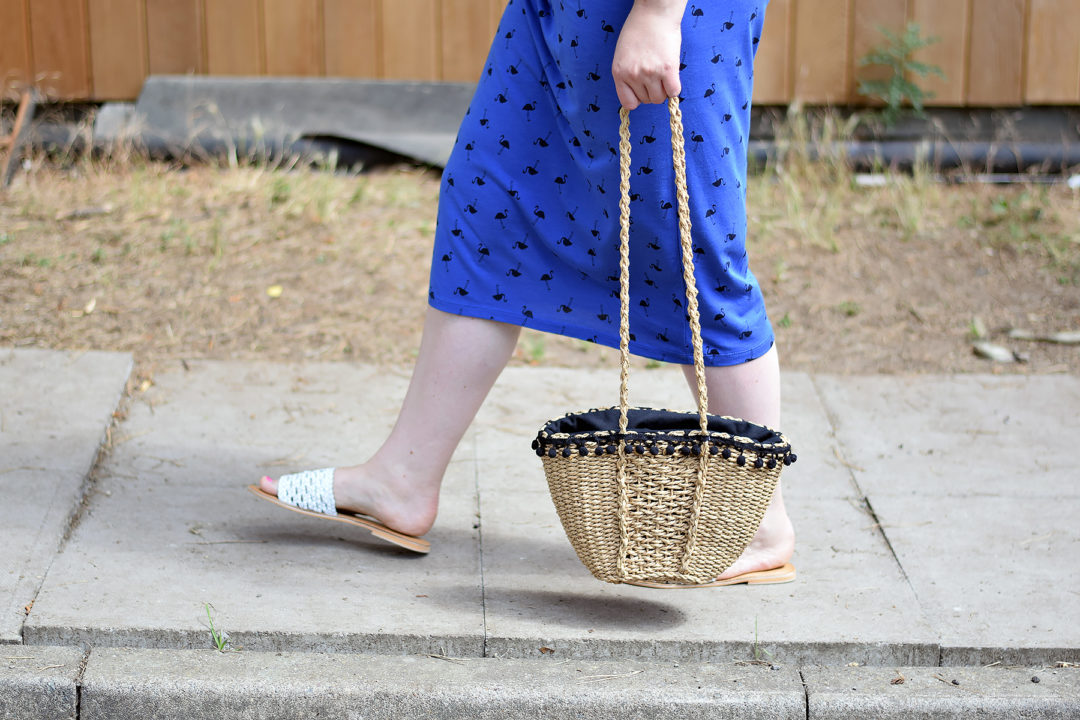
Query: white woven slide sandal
column 312, row 493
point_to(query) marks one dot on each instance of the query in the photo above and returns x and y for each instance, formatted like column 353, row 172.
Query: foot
column 397, row 505
column 772, row 545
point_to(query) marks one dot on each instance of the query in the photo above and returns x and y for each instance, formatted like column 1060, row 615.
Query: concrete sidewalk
column 936, row 519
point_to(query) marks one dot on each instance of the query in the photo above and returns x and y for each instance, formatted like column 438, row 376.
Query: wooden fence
column 993, row 52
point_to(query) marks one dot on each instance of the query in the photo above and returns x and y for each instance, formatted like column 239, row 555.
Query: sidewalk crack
column 806, row 695
column 79, row 682
column 480, row 545
column 90, row 478
column 860, row 493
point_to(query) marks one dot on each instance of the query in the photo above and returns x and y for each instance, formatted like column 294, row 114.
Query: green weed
column 899, row 91
column 220, row 638
column 535, row 349
column 850, row 308
column 760, row 653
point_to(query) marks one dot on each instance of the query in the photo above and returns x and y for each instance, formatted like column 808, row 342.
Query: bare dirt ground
column 271, row 264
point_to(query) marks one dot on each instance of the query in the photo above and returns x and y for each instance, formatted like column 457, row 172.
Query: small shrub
column 899, row 90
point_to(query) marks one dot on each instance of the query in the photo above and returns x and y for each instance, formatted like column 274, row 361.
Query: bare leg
column 460, row 358
column 751, row 391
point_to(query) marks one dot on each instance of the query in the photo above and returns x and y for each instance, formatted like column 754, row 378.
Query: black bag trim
column 653, row 431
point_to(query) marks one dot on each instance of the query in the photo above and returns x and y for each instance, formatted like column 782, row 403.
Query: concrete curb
column 39, row 682
column 121, row 683
column 926, row 692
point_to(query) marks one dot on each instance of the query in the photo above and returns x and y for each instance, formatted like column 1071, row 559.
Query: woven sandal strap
column 309, row 490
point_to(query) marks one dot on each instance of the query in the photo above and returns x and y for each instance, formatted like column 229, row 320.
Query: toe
column 268, row 484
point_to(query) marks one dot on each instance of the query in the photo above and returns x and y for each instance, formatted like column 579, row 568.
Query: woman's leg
column 751, row 391
column 460, row 358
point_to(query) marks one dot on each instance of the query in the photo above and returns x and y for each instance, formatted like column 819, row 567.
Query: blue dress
column 528, row 221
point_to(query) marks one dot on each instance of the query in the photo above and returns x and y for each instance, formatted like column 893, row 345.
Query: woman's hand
column 646, row 63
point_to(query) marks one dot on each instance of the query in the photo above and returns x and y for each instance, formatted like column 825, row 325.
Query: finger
column 627, row 96
column 654, row 92
column 672, row 85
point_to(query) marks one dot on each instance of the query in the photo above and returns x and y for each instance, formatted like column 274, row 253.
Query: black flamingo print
column 564, row 164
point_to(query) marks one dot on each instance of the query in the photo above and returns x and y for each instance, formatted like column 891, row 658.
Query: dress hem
column 607, row 339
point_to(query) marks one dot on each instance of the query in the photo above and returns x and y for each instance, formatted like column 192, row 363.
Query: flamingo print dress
column 528, row 221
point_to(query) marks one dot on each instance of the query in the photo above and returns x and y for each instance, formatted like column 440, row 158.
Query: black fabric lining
column 651, row 430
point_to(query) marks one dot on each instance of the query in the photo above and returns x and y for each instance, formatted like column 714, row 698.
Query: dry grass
column 270, row 263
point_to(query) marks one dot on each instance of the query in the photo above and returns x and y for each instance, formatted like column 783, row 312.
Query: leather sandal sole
column 409, row 542
column 783, row 574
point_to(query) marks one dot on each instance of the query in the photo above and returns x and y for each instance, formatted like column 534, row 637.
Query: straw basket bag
column 656, row 497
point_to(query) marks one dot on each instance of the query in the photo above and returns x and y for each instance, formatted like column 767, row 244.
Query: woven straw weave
column 657, row 496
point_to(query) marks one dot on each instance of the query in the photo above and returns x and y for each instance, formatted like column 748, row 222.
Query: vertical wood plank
column 995, row 65
column 233, row 37
column 294, row 40
column 467, row 30
column 1053, row 52
column 946, row 20
column 117, row 48
column 15, row 64
column 410, row 48
column 497, row 8
column 352, row 38
column 821, row 51
column 58, row 41
column 869, row 17
column 772, row 65
column 174, row 36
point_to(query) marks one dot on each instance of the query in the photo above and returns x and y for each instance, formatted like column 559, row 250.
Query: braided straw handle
column 678, row 155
